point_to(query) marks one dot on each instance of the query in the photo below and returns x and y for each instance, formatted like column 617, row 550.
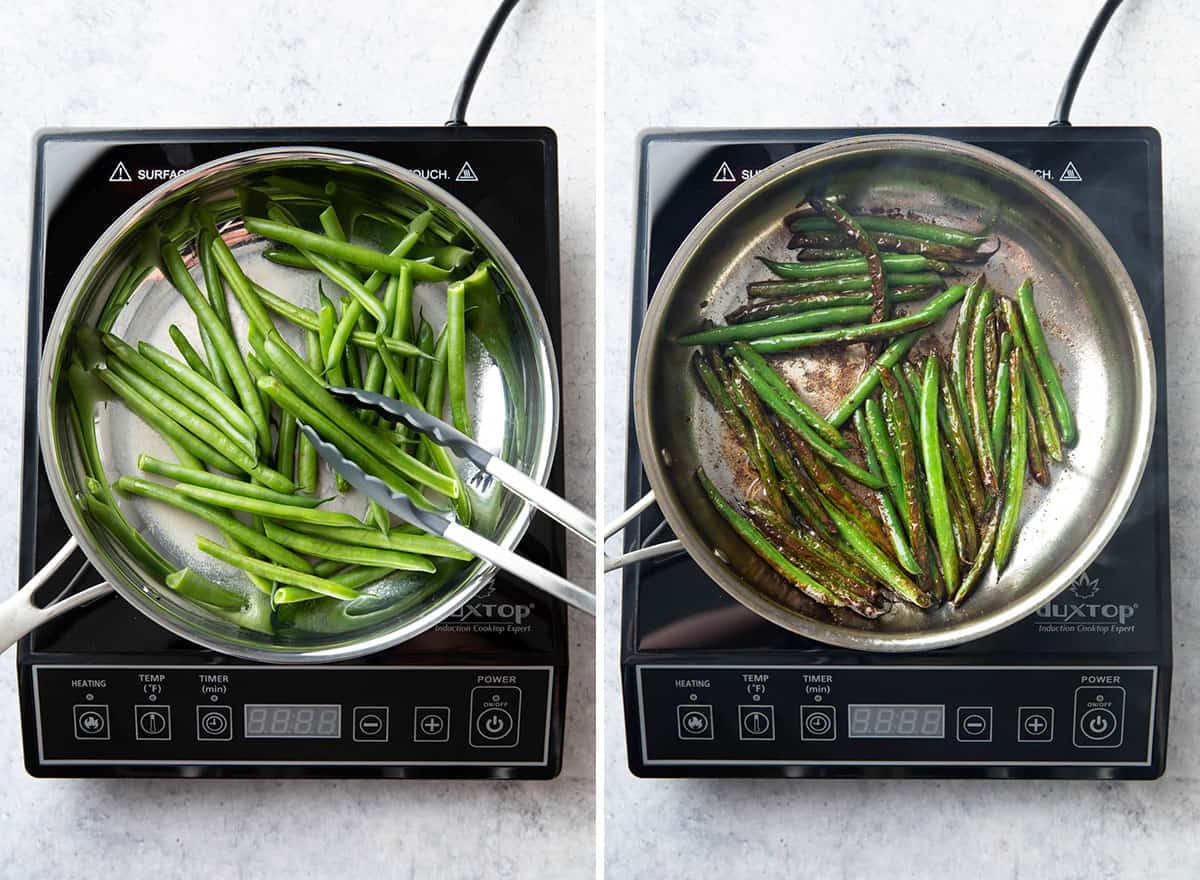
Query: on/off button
column 495, row 717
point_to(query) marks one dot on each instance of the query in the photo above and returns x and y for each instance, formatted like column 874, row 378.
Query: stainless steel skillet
column 1098, row 334
column 513, row 390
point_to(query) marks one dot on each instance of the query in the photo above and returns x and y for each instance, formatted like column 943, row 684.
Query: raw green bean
column 960, row 349
column 276, row 572
column 243, row 291
column 977, row 394
column 268, row 509
column 764, row 370
column 199, row 477
column 356, row 554
column 895, row 226
column 427, row 343
column 312, row 244
column 394, row 539
column 839, row 284
column 778, row 324
column 180, row 496
column 216, row 399
column 892, row 524
column 1003, row 393
column 110, row 517
column 890, row 356
column 930, row 314
column 456, row 355
column 931, row 456
column 257, row 370
column 306, row 466
column 808, row 302
column 1017, row 455
column 792, row 417
column 983, row 558
column 1045, row 367
column 222, row 339
column 765, row 550
column 216, row 296
column 198, row 588
column 285, row 446
column 852, row 266
column 1035, row 391
column 291, row 259
column 189, row 354
column 375, row 375
column 177, row 399
column 435, row 394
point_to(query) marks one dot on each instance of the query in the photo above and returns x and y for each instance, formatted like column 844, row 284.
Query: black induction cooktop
column 1078, row 689
column 106, row 692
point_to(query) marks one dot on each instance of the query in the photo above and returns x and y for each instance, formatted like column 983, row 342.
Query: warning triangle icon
column 1071, row 174
column 724, row 174
column 120, row 174
column 466, row 173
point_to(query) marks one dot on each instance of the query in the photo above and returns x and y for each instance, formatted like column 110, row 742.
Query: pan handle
column 666, row 548
column 19, row 616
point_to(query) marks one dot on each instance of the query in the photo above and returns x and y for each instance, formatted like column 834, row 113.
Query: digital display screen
column 897, row 721
column 285, row 721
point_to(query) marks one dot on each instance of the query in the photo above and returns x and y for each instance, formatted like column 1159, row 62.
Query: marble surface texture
column 143, row 64
column 713, row 63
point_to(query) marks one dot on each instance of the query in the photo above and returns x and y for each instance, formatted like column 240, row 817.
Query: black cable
column 458, row 110
column 1071, row 86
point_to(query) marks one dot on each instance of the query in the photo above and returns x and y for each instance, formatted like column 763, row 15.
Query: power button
column 495, row 717
column 1099, row 717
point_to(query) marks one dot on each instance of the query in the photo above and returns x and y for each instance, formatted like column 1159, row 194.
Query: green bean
column 839, row 284
column 1045, row 366
column 356, row 554
column 309, row 320
column 306, row 466
column 960, row 443
column 892, row 524
column 983, row 558
column 886, row 242
column 877, row 561
column 427, row 343
column 257, row 370
column 435, row 393
column 765, row 550
column 895, row 226
column 862, row 242
column 790, row 416
column 777, row 324
column 881, row 444
column 305, row 412
column 808, row 302
column 767, row 373
column 268, row 509
column 161, row 422
column 831, row 491
column 1037, row 457
column 110, row 517
column 402, row 323
column 285, row 446
column 977, row 394
column 291, row 259
column 966, row 536
column 930, row 314
column 1035, row 392
column 1017, row 454
column 375, row 375
column 394, row 539
column 199, row 477
column 180, row 496
column 909, row 381
column 179, row 400
column 216, row 296
column 216, row 400
column 189, row 354
column 352, row 368
column 866, row 386
column 456, row 355
column 1003, row 393
column 277, row 572
column 851, row 266
column 312, row 244
column 931, row 456
column 765, row 458
column 904, row 440
column 960, row 350
column 222, row 339
column 198, row 588
column 243, row 291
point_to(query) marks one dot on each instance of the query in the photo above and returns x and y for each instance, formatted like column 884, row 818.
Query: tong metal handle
column 444, row 434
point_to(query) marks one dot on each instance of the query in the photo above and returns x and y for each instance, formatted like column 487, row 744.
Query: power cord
column 1067, row 98
column 458, row 110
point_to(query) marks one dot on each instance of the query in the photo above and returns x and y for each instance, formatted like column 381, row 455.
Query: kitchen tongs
column 462, row 445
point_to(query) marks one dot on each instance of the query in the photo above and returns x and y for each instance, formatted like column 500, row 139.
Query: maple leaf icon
column 1084, row 587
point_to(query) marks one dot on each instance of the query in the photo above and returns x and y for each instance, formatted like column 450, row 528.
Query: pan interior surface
column 512, row 395
column 1096, row 332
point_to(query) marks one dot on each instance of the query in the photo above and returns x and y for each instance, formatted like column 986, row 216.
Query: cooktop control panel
column 935, row 716
column 264, row 715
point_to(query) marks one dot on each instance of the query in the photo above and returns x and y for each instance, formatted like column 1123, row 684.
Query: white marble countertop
column 874, row 63
column 66, row 64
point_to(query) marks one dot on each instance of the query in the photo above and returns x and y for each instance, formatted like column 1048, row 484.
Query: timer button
column 214, row 723
column 818, row 723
